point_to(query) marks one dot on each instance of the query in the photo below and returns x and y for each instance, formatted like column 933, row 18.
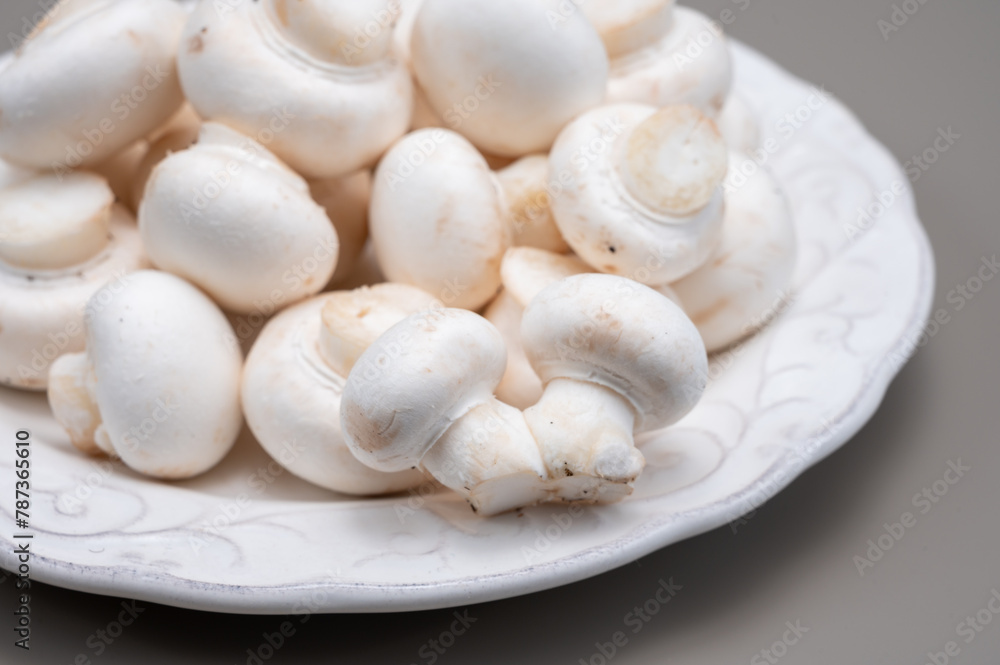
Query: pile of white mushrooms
column 484, row 242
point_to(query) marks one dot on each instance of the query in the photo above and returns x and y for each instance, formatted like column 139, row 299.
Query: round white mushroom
column 526, row 185
column 616, row 358
column 93, row 78
column 61, row 239
column 438, row 218
column 422, row 394
column 294, row 378
column 525, row 272
column 158, row 384
column 662, row 54
column 747, row 282
column 641, row 191
column 302, row 77
column 228, row 216
column 739, row 125
column 507, row 75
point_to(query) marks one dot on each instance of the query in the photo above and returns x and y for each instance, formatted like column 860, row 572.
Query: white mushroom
column 507, row 75
column 300, row 76
column 438, row 218
column 746, row 282
column 294, row 377
column 422, row 394
column 616, row 358
column 406, row 14
column 93, row 78
column 662, row 54
column 158, row 385
column 640, row 189
column 346, row 201
column 231, row 218
column 174, row 140
column 739, row 125
column 525, row 272
column 526, row 186
column 61, row 239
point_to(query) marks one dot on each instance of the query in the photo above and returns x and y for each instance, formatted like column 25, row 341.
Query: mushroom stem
column 50, row 222
column 585, row 430
column 353, row 320
column 73, row 404
column 491, row 458
column 674, row 161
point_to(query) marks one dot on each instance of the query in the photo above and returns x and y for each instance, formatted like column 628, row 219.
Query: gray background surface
column 794, row 560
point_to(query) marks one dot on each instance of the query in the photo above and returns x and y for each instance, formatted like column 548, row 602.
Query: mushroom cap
column 508, row 75
column 438, row 218
column 49, row 221
column 228, row 216
column 43, row 312
column 347, row 32
column 171, row 142
column 525, row 184
column 245, row 69
column 746, row 281
column 679, row 69
column 167, row 374
column 93, row 78
column 346, row 202
column 291, row 398
column 738, row 124
column 415, row 381
column 403, row 32
column 641, row 194
column 621, row 335
column 629, row 25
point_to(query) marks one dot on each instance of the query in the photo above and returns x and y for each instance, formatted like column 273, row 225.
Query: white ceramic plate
column 240, row 539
